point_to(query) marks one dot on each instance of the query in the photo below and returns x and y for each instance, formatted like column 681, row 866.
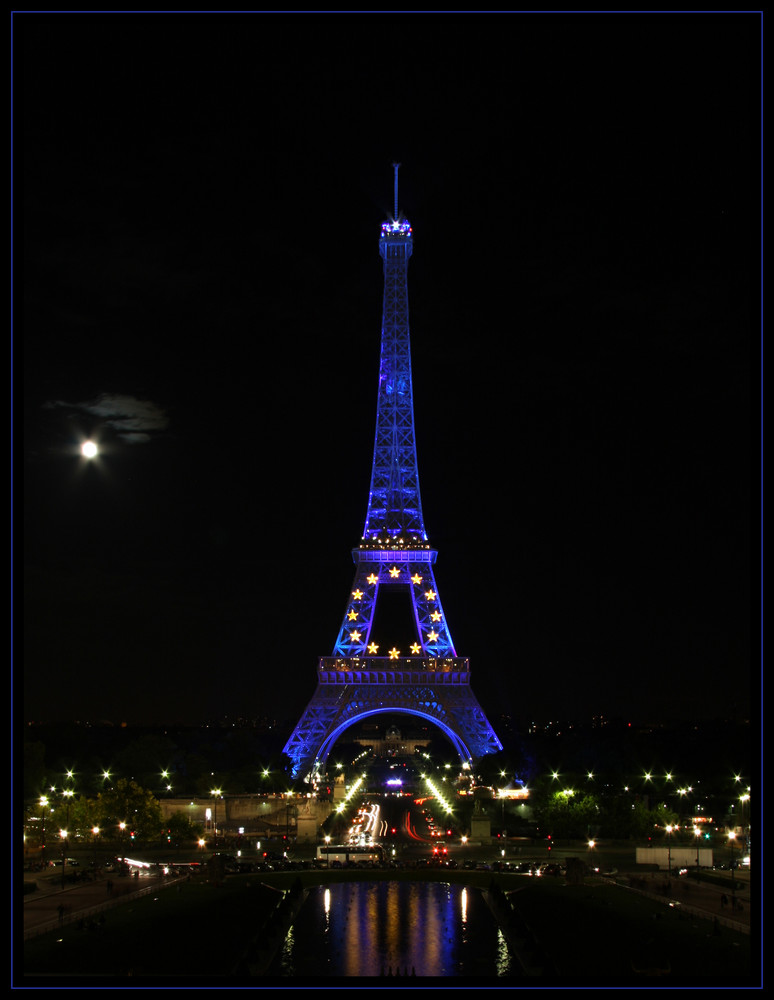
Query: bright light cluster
column 396, row 228
column 364, row 825
column 438, row 794
column 352, row 791
column 413, row 542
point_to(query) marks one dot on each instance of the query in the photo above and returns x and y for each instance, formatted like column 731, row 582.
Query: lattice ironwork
column 360, row 679
column 336, row 706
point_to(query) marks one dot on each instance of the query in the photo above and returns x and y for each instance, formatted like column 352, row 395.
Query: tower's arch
column 459, row 746
column 352, row 689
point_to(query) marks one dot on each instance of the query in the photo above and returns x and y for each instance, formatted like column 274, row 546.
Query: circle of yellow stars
column 373, row 648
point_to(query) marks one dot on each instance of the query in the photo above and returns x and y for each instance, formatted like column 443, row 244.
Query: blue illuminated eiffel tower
column 424, row 678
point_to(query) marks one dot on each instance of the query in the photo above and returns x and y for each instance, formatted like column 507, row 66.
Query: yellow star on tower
column 416, row 648
column 395, row 571
column 352, row 615
column 430, row 595
column 432, row 635
column 357, row 594
column 373, row 648
column 436, row 616
column 354, row 636
column 394, row 653
column 416, row 578
column 373, row 578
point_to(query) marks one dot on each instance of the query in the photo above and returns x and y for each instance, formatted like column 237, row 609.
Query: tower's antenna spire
column 395, row 166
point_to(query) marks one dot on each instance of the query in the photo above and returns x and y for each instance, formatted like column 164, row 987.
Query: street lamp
column 68, row 793
column 216, row 793
column 327, row 848
column 669, row 829
column 732, row 843
column 744, row 799
column 63, row 836
column 697, row 835
column 43, row 806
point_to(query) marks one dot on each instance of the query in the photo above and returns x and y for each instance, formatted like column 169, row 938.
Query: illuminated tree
column 128, row 803
column 567, row 814
column 181, row 829
column 662, row 816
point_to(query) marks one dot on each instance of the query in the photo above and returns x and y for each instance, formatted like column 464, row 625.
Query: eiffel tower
column 424, row 677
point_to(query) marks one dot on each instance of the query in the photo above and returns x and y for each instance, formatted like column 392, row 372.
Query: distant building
column 391, row 742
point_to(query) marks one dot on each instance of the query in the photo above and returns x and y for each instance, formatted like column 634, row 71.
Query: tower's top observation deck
column 396, row 240
column 396, row 227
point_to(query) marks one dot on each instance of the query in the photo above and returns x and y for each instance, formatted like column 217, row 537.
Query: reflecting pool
column 425, row 929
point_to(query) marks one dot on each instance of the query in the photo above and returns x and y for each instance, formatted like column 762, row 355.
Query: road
column 50, row 905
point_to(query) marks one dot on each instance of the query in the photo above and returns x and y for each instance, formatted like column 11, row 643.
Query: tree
column 624, row 816
column 662, row 816
column 568, row 815
column 182, row 829
column 83, row 813
column 132, row 805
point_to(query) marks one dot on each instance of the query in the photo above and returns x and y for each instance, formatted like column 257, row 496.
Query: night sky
column 198, row 201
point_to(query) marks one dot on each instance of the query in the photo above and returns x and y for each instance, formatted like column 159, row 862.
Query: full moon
column 88, row 449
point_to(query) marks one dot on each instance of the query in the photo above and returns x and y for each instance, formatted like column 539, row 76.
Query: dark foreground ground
column 173, row 933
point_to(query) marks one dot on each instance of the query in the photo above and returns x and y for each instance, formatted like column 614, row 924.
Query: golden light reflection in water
column 355, row 938
column 503, row 958
column 398, row 928
column 379, row 927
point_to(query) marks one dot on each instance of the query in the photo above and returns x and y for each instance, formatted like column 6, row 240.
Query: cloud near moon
column 134, row 420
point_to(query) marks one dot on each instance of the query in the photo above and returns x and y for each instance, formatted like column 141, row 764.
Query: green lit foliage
column 569, row 815
column 181, row 830
column 133, row 806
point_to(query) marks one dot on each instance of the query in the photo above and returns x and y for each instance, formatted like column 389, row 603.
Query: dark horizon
column 657, row 759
